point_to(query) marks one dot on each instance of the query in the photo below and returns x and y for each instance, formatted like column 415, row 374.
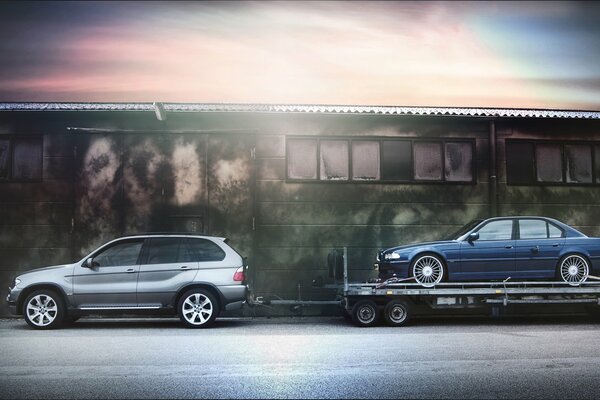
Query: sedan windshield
column 466, row 228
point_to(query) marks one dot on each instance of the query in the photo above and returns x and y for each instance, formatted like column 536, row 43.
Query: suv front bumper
column 12, row 302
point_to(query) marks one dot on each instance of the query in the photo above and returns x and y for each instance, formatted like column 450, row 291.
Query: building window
column 529, row 163
column 21, row 159
column 302, row 158
column 334, row 160
column 365, row 161
column 578, row 163
column 428, row 161
column 396, row 160
column 459, row 162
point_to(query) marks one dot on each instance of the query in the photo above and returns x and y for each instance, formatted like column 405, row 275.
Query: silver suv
column 195, row 277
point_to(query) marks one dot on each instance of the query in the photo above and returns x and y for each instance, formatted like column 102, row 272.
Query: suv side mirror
column 89, row 263
column 473, row 237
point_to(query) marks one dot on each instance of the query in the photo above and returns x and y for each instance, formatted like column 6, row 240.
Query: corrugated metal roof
column 304, row 108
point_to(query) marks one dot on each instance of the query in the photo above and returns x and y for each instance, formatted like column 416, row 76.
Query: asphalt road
column 303, row 358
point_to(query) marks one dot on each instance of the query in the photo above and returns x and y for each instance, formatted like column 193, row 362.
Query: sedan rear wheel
column 574, row 269
column 197, row 308
column 428, row 270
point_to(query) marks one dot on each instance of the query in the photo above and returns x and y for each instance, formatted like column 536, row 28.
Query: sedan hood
column 409, row 246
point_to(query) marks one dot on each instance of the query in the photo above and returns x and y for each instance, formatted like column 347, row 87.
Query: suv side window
column 167, row 251
column 205, row 250
column 120, row 254
column 497, row 230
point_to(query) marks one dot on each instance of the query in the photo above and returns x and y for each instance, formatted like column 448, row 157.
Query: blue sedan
column 495, row 249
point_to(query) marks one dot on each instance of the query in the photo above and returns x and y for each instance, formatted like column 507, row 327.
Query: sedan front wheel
column 428, row 270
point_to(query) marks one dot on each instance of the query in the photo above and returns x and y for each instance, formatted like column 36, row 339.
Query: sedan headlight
column 392, row 256
column 17, row 281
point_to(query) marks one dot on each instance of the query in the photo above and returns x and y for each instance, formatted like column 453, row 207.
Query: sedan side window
column 120, row 254
column 532, row 229
column 496, row 230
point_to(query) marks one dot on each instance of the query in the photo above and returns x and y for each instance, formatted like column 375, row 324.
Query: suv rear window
column 205, row 250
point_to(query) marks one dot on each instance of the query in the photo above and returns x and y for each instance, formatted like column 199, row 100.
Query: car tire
column 365, row 313
column 573, row 269
column 198, row 308
column 397, row 313
column 44, row 309
column 428, row 269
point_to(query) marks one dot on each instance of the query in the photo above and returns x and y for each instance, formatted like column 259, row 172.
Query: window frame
column 548, row 224
column 381, row 140
column 141, row 254
column 11, row 150
column 591, row 144
column 513, row 234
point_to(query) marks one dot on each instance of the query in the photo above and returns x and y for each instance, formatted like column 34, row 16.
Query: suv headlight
column 392, row 256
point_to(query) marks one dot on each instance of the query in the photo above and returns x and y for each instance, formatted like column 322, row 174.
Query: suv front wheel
column 43, row 309
column 197, row 308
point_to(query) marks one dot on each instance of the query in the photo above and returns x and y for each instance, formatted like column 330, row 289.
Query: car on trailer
column 519, row 247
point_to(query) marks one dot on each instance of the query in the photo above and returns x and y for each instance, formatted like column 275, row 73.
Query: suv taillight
column 239, row 275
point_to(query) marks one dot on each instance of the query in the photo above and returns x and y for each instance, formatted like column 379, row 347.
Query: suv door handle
column 535, row 249
column 554, row 244
column 185, row 267
column 130, row 270
column 508, row 247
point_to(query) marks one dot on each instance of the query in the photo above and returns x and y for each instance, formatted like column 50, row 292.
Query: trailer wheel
column 397, row 313
column 365, row 313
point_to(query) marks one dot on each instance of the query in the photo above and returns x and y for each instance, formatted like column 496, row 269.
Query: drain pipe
column 493, row 178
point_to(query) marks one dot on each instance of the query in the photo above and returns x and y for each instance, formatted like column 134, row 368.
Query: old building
column 285, row 183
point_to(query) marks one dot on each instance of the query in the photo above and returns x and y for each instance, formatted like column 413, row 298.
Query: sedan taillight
column 239, row 275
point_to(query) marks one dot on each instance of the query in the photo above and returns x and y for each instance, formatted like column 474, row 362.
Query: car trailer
column 397, row 300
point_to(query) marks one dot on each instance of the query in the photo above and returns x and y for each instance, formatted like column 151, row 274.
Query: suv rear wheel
column 43, row 309
column 197, row 308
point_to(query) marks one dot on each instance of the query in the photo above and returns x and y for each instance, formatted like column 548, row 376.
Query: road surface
column 311, row 357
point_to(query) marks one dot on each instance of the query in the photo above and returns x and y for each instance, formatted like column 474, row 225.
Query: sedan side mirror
column 89, row 263
column 473, row 237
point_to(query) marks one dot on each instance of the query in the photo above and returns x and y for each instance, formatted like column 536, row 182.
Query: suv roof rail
column 166, row 233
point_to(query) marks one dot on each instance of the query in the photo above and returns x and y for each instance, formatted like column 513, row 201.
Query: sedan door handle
column 535, row 249
column 185, row 267
column 130, row 270
column 508, row 247
column 554, row 244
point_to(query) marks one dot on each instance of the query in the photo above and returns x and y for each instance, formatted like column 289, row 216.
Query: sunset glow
column 539, row 55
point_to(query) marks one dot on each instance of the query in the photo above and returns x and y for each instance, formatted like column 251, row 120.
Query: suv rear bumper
column 233, row 296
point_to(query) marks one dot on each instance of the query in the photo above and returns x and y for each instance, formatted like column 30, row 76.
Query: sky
column 455, row 54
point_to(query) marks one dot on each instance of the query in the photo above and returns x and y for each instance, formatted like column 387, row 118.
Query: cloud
column 285, row 52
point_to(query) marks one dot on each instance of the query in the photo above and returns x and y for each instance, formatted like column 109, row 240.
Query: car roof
column 169, row 234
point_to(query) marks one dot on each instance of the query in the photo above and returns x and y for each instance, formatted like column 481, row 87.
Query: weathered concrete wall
column 576, row 205
column 196, row 172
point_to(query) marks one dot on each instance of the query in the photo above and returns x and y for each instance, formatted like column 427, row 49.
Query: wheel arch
column 428, row 251
column 200, row 285
column 40, row 286
column 577, row 252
